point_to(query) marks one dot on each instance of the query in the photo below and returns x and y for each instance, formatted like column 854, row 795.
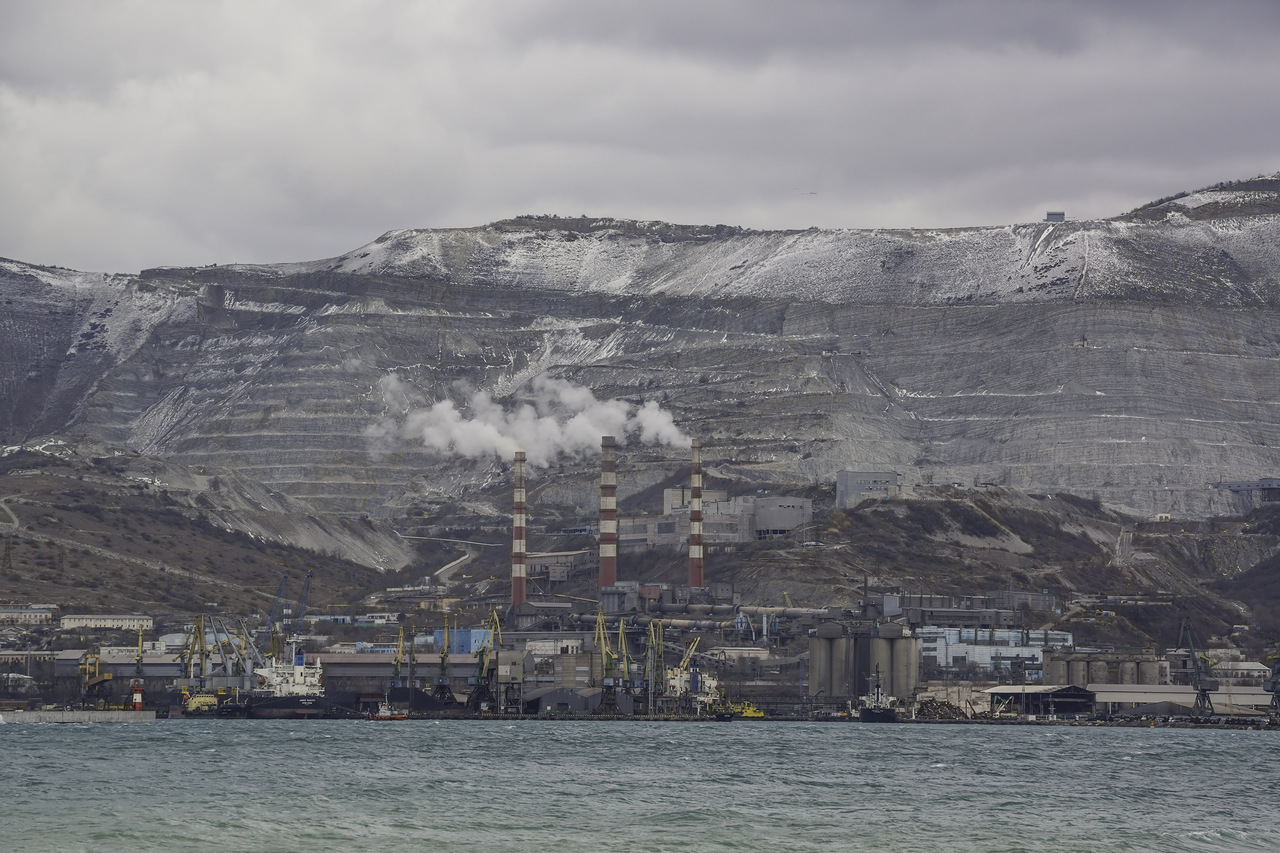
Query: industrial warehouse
column 645, row 650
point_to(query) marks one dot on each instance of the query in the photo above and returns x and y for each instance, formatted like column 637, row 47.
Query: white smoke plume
column 560, row 419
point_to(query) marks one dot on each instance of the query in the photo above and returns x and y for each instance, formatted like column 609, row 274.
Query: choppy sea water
column 239, row 785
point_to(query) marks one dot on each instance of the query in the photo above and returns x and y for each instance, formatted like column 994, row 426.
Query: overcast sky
column 136, row 134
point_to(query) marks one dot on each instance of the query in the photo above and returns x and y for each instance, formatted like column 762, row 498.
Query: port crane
column 403, row 656
column 301, row 609
column 212, row 649
column 682, row 679
column 623, row 655
column 270, row 643
column 194, row 654
column 609, row 698
column 395, row 664
column 442, row 690
column 95, row 682
column 655, row 668
column 239, row 656
column 1201, row 678
column 481, row 696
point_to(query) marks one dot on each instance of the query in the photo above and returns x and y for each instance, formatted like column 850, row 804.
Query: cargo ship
column 289, row 689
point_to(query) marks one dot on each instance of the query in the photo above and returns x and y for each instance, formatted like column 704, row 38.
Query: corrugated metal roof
column 1179, row 693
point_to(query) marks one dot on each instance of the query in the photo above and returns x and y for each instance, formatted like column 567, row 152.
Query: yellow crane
column 688, row 654
column 482, row 695
column 655, row 667
column 680, row 680
column 95, row 682
column 623, row 655
column 395, row 667
column 608, row 664
column 606, row 653
column 443, row 691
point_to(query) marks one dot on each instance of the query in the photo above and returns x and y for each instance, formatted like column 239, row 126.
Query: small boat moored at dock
column 876, row 707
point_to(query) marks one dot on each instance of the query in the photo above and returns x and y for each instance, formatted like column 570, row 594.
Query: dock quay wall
column 77, row 716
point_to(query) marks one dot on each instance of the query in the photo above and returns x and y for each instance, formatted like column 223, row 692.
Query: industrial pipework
column 750, row 610
column 641, row 620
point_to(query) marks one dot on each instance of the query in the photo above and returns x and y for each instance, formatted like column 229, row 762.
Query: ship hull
column 877, row 715
column 290, row 708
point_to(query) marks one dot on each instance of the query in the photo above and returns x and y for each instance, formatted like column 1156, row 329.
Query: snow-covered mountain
column 1133, row 359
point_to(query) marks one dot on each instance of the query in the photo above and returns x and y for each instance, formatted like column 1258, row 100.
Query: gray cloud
column 143, row 133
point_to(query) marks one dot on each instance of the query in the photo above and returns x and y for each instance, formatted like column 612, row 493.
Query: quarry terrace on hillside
column 1131, row 359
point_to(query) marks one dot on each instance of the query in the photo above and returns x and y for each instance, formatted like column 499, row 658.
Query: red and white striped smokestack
column 608, row 514
column 696, row 577
column 519, row 525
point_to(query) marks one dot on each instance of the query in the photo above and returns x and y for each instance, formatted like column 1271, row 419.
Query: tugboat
column 199, row 704
column 876, row 707
column 726, row 711
column 384, row 712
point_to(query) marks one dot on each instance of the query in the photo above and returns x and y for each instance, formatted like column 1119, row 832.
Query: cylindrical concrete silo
column 1148, row 672
column 841, row 666
column 1098, row 672
column 1129, row 672
column 881, row 663
column 819, row 666
column 1078, row 672
column 1055, row 670
column 906, row 667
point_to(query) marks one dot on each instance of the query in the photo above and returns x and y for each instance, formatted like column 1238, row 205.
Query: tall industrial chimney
column 608, row 514
column 696, row 577
column 519, row 572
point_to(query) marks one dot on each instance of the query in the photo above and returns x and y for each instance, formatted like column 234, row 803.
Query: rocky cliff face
column 1133, row 360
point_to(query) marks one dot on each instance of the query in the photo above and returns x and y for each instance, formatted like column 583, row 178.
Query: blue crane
column 264, row 640
column 301, row 609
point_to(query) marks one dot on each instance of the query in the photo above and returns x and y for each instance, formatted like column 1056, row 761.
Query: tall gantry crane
column 481, row 696
column 655, row 666
column 269, row 642
column 302, row 605
column 608, row 658
column 1201, row 678
column 409, row 679
column 395, row 665
column 682, row 679
column 622, row 660
column 443, row 691
column 194, row 653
